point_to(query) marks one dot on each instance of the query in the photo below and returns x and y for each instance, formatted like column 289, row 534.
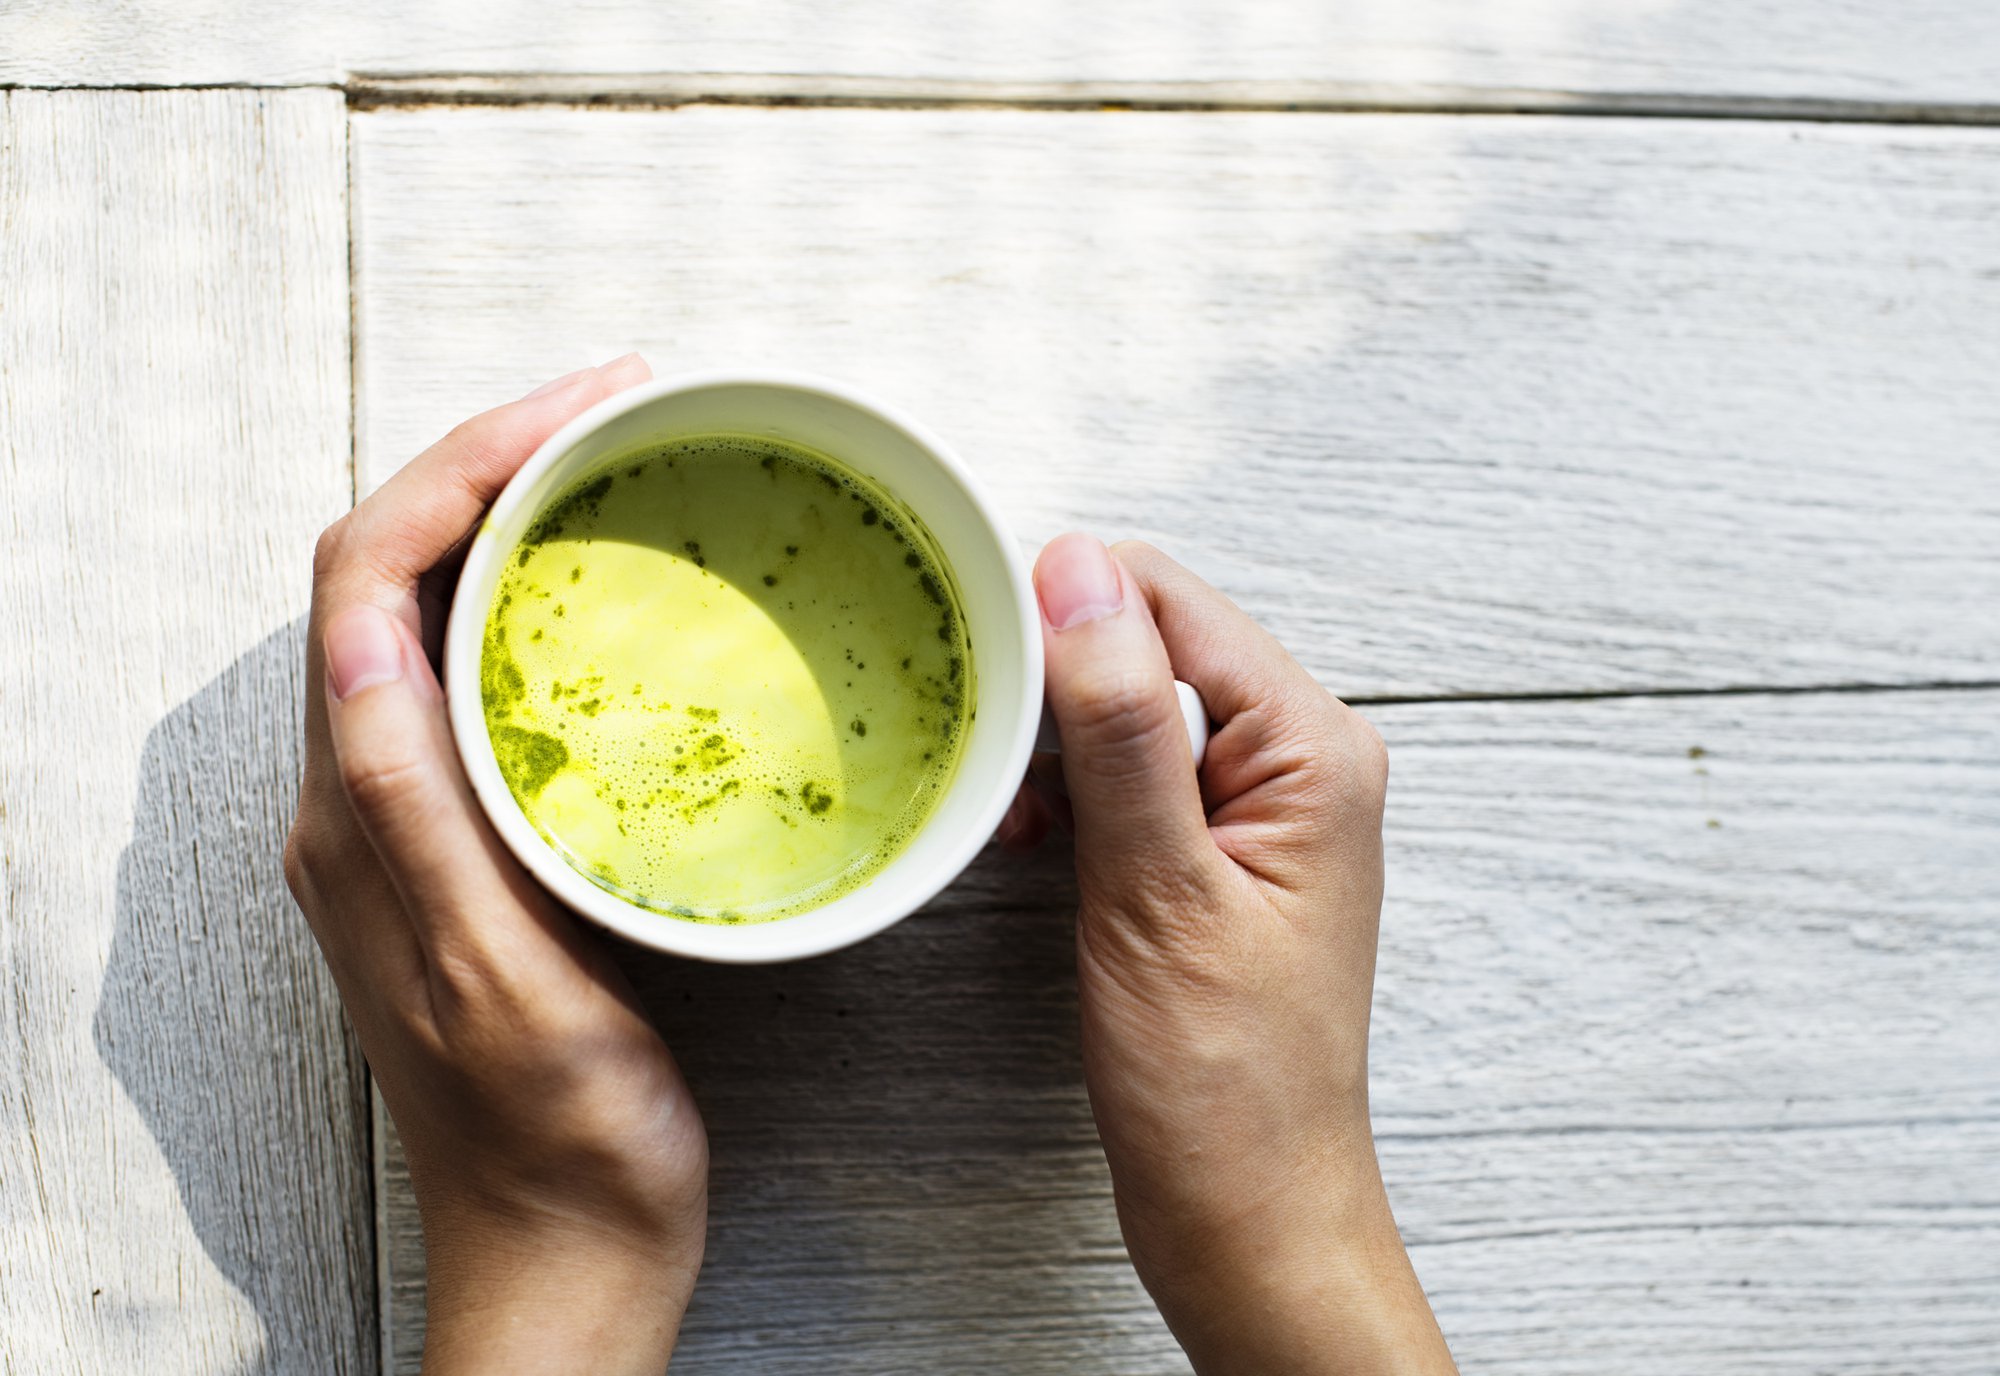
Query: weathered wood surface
column 1458, row 406
column 184, row 1178
column 1455, row 405
column 1919, row 51
column 1665, row 1097
column 1655, row 1095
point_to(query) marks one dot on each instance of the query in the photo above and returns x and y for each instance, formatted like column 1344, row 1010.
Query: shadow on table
column 220, row 1022
column 906, row 1175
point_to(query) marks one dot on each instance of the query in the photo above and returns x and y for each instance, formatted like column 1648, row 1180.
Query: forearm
column 552, row 1310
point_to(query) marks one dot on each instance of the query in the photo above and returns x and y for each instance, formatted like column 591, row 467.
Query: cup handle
column 1194, row 713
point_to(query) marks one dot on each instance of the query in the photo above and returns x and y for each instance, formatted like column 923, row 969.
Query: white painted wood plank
column 1666, row 1096
column 183, row 1171
column 1455, row 405
column 1919, row 50
column 1655, row 1096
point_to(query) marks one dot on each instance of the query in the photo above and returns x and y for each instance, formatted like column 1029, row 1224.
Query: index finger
column 415, row 518
column 1236, row 665
column 1278, row 726
column 378, row 551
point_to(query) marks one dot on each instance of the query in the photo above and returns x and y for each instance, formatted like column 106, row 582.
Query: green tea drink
column 726, row 678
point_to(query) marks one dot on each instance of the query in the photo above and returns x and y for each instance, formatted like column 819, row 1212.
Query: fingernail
column 619, row 361
column 557, row 384
column 362, row 650
column 1077, row 582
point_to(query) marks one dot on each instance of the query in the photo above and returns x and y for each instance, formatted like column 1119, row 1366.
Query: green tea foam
column 727, row 678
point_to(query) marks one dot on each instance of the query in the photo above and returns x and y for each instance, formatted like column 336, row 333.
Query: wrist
column 553, row 1303
column 1319, row 1287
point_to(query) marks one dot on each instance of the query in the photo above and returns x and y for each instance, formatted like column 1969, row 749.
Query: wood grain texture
column 1456, row 406
column 1917, row 51
column 1654, row 1095
column 1725, row 1092
column 183, row 1170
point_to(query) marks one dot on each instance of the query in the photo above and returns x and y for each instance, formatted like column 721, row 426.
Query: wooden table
column 1607, row 397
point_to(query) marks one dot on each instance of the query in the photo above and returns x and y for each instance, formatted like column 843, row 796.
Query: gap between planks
column 353, row 318
column 1730, row 691
column 673, row 90
column 1293, row 97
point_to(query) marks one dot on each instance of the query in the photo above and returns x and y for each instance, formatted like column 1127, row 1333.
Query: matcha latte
column 726, row 678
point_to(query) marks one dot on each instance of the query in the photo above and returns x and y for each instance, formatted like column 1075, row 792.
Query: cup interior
column 911, row 466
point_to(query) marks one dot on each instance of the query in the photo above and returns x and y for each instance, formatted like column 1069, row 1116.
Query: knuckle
column 468, row 436
column 331, row 549
column 463, row 981
column 1371, row 754
column 481, row 980
column 1361, row 759
column 481, row 444
column 382, row 786
column 298, row 865
column 1118, row 708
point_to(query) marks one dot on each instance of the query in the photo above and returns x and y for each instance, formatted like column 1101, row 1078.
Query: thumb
column 1125, row 756
column 394, row 749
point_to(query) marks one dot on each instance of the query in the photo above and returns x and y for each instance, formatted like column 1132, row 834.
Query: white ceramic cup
column 1001, row 619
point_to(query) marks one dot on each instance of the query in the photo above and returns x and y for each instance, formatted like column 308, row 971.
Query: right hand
column 1225, row 960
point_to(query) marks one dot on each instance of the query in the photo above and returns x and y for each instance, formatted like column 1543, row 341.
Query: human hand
column 1225, row 965
column 558, row 1162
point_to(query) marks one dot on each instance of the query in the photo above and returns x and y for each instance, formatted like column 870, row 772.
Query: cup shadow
column 220, row 1022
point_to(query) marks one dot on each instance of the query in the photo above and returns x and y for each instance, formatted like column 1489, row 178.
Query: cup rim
column 749, row 943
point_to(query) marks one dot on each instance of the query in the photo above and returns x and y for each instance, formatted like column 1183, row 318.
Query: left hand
column 558, row 1161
